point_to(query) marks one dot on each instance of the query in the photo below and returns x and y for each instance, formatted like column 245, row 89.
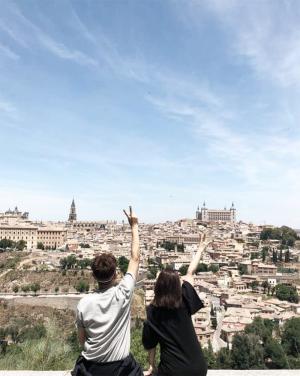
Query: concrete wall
column 210, row 373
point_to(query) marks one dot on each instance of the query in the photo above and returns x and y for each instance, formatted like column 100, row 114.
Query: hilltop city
column 247, row 271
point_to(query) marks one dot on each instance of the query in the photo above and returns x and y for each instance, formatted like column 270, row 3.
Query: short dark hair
column 104, row 267
column 167, row 290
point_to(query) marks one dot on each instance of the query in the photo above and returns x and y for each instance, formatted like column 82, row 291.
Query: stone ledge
column 210, row 373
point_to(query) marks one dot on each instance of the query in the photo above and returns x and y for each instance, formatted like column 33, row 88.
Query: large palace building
column 16, row 226
column 216, row 215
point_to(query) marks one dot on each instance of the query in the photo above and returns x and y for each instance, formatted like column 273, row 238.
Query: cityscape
column 188, row 110
column 247, row 272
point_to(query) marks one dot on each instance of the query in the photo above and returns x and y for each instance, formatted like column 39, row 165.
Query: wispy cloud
column 15, row 35
column 33, row 34
column 63, row 52
column 7, row 52
column 265, row 33
column 255, row 158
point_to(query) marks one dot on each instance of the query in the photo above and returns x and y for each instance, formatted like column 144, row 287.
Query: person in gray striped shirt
column 103, row 318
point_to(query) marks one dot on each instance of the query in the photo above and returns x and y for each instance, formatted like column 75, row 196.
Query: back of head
column 167, row 290
column 104, row 268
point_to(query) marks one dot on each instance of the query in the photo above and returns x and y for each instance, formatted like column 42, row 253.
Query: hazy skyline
column 160, row 104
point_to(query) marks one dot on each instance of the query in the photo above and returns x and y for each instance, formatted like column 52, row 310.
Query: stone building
column 216, row 215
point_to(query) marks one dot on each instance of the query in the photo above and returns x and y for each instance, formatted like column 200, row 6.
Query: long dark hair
column 167, row 290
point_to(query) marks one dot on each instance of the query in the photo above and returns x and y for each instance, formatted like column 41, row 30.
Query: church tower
column 72, row 215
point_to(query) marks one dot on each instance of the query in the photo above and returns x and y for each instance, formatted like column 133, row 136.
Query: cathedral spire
column 72, row 214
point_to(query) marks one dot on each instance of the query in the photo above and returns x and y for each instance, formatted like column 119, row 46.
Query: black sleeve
column 190, row 298
column 149, row 337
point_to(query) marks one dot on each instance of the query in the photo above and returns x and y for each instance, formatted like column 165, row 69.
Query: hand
column 132, row 218
column 150, row 371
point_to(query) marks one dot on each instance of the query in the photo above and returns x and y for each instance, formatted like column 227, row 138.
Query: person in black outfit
column 169, row 324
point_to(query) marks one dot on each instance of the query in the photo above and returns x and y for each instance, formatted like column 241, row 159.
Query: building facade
column 52, row 237
column 216, row 215
column 15, row 226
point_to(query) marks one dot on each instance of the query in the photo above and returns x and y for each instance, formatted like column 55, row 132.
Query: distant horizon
column 160, row 104
column 121, row 218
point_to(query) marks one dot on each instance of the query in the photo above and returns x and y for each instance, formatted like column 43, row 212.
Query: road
column 217, row 342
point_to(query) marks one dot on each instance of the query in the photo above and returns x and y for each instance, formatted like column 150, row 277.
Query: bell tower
column 72, row 214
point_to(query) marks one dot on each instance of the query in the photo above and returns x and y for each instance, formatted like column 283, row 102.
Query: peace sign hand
column 132, row 218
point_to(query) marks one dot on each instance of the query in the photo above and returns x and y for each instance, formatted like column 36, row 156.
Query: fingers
column 130, row 212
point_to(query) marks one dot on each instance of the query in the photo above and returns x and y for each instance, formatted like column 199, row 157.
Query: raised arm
column 194, row 263
column 134, row 261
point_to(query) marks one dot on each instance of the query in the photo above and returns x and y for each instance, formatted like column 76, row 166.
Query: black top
column 180, row 351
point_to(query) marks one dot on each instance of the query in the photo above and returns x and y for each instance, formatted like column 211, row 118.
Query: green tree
column 287, row 256
column 264, row 253
column 285, row 234
column 20, row 245
column 242, row 269
column 254, row 285
column 274, row 257
column 84, row 263
column 40, row 245
column 68, row 262
column 6, row 243
column 180, row 247
column 84, row 245
column 262, row 328
column 274, row 354
column 209, row 356
column 35, row 287
column 25, row 288
column 223, row 359
column 287, row 292
column 15, row 289
column 247, row 352
column 254, row 255
column 183, row 269
column 291, row 337
column 201, row 268
column 213, row 268
column 265, row 285
column 152, row 272
column 82, row 286
column 123, row 264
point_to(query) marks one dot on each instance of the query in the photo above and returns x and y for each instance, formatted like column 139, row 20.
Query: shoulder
column 86, row 300
column 190, row 298
column 126, row 286
column 186, row 285
column 127, row 280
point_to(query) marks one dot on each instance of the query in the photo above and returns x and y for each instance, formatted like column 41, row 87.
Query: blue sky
column 161, row 104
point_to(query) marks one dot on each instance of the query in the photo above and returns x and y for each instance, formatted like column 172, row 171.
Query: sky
column 158, row 104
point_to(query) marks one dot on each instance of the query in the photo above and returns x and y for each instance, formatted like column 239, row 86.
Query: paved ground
column 210, row 373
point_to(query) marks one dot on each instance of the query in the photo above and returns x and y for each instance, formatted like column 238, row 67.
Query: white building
column 216, row 215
